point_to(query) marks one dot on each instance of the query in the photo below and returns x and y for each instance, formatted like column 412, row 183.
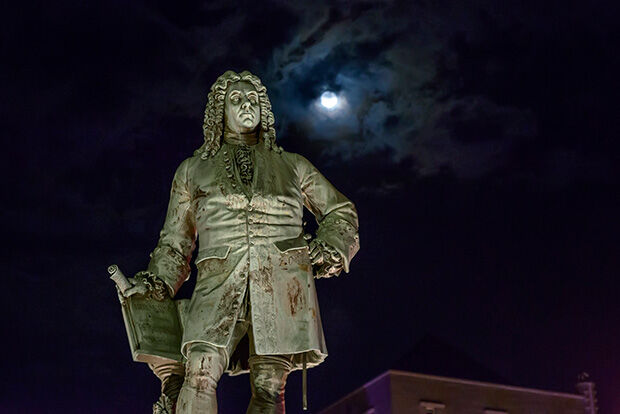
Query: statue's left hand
column 325, row 259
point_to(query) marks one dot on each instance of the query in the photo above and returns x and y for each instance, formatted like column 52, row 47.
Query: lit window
column 430, row 407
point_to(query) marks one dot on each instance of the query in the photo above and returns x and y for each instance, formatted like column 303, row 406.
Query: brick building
column 400, row 392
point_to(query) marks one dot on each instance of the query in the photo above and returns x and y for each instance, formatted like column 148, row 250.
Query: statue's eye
column 234, row 99
column 253, row 100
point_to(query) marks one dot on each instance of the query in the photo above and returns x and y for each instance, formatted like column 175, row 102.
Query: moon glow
column 329, row 99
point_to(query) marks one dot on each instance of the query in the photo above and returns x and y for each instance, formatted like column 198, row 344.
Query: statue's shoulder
column 188, row 167
column 297, row 163
column 187, row 163
column 191, row 162
column 292, row 158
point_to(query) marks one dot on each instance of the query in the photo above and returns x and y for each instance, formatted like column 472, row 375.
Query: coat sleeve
column 170, row 259
column 335, row 214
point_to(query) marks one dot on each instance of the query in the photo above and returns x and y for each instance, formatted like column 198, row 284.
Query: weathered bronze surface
column 153, row 326
column 241, row 197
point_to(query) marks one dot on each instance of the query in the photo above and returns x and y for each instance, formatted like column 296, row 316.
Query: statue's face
column 241, row 107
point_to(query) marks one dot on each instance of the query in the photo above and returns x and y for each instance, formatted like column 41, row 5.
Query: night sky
column 478, row 140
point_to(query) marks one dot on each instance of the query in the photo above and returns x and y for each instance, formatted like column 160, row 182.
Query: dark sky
column 478, row 139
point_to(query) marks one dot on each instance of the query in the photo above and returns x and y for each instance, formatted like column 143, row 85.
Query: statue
column 254, row 308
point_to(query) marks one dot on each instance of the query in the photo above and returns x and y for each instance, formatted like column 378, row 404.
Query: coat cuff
column 170, row 267
column 342, row 236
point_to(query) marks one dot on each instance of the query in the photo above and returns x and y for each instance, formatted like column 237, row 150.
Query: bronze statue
column 254, row 308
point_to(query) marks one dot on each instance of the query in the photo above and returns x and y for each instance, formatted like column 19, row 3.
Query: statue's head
column 241, row 107
column 239, row 101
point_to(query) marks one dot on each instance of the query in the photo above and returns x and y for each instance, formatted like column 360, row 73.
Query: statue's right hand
column 147, row 284
column 138, row 286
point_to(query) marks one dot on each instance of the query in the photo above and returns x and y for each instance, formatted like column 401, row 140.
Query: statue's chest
column 274, row 187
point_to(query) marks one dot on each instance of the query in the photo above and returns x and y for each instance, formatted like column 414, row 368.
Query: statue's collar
column 236, row 138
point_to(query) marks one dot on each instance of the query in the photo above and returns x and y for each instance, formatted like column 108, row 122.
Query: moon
column 329, row 99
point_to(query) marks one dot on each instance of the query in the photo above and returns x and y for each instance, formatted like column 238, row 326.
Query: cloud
column 395, row 66
column 118, row 92
column 409, row 73
column 470, row 135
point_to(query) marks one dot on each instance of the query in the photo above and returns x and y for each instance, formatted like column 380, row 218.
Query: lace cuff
column 332, row 261
column 156, row 287
column 341, row 236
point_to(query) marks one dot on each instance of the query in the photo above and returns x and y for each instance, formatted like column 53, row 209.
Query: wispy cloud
column 393, row 66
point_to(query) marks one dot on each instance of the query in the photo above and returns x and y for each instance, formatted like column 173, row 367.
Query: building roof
column 435, row 356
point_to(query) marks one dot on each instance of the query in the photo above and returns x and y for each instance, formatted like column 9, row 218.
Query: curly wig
column 213, row 125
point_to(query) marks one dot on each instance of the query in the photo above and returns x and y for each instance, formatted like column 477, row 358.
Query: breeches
column 206, row 364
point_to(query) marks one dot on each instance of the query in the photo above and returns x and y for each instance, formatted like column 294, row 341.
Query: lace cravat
column 241, row 144
column 243, row 159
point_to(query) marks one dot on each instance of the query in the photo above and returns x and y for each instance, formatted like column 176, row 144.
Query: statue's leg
column 171, row 375
column 203, row 369
column 268, row 374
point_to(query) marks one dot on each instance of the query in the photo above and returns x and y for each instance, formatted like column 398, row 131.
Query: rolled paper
column 119, row 278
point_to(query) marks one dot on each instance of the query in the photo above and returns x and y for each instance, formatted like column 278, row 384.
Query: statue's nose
column 246, row 104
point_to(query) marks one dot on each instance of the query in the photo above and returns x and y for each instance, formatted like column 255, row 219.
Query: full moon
column 329, row 99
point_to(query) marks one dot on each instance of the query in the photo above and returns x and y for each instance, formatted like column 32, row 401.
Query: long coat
column 252, row 240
